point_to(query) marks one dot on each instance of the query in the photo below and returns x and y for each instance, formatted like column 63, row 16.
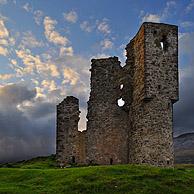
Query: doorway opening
column 111, row 161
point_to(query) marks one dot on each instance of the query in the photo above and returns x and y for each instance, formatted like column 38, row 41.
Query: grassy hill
column 41, row 176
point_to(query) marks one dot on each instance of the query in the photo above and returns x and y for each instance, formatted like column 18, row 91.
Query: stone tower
column 70, row 148
column 107, row 126
column 141, row 131
column 152, row 60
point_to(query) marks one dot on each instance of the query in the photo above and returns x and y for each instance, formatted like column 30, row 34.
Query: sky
column 45, row 51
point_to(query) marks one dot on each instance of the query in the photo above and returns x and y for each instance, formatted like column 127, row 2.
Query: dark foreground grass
column 116, row 179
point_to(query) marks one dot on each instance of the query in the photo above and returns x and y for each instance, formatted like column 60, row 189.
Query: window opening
column 162, row 45
column 120, row 102
column 121, row 86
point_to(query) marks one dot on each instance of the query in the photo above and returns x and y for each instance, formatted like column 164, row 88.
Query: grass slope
column 38, row 176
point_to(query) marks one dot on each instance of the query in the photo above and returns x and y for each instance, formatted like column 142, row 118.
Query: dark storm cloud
column 15, row 93
column 24, row 135
column 41, row 109
column 184, row 109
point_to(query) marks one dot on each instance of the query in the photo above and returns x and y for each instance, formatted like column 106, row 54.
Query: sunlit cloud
column 34, row 64
column 40, row 92
column 5, row 39
column 71, row 16
column 151, row 18
column 5, row 76
column 13, row 61
column 4, row 33
column 70, row 76
column 54, row 70
column 3, row 42
column 66, row 51
column 3, row 51
column 49, row 85
column 30, row 41
column 52, row 35
column 106, row 44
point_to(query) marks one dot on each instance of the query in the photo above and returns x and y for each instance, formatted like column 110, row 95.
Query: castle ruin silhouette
column 140, row 131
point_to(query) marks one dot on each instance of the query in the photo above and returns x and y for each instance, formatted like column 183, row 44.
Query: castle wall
column 107, row 126
column 161, row 64
column 141, row 131
column 70, row 142
column 155, row 88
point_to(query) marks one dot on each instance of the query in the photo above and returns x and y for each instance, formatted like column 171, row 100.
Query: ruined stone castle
column 140, row 131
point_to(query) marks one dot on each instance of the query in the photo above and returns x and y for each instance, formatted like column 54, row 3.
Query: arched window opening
column 120, row 102
column 121, row 86
column 163, row 43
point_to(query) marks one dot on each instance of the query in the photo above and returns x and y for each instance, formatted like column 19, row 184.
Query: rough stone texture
column 154, row 74
column 141, row 130
column 70, row 142
column 107, row 126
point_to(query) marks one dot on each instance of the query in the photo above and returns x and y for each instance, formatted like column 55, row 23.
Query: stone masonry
column 140, row 131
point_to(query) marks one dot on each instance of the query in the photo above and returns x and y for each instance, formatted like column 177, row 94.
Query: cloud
column 70, row 76
column 38, row 109
column 4, row 33
column 54, row 70
column 106, row 44
column 151, row 18
column 49, row 84
column 13, row 61
column 13, row 94
column 27, row 127
column 190, row 6
column 4, row 42
column 72, row 62
column 30, row 41
column 52, row 35
column 5, row 39
column 167, row 11
column 186, row 24
column 85, row 26
column 5, row 76
column 3, row 2
column 71, row 16
column 66, row 51
column 38, row 16
column 103, row 26
column 183, row 109
column 3, row 51
column 100, row 55
column 186, row 43
column 33, row 63
column 27, row 7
